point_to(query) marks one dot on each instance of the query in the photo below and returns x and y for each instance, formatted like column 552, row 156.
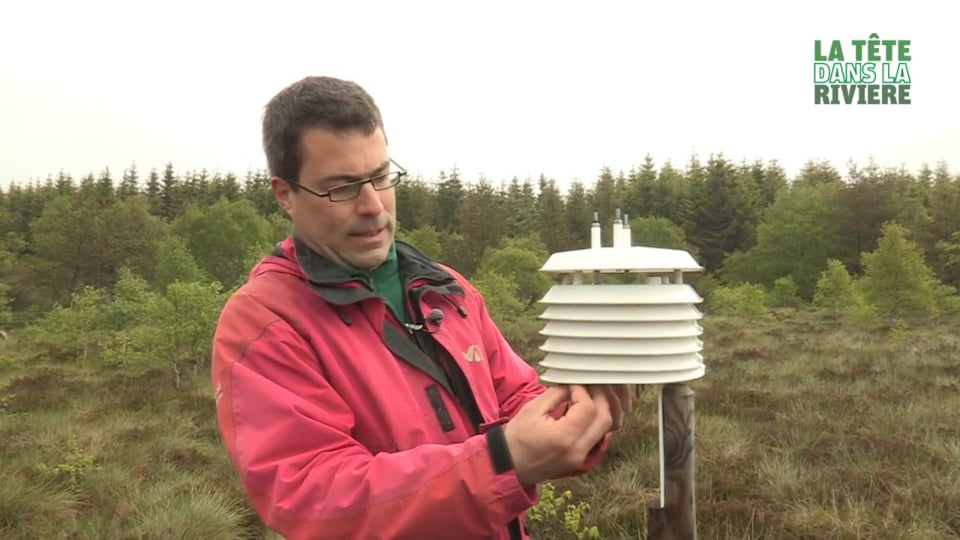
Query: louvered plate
column 663, row 363
column 649, row 329
column 559, row 376
column 622, row 347
column 615, row 294
column 622, row 313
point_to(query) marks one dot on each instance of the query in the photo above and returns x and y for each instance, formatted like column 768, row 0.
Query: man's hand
column 620, row 399
column 543, row 447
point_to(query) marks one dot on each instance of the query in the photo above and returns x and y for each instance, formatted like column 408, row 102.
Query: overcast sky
column 497, row 88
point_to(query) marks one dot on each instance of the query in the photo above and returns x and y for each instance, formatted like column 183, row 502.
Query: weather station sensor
column 646, row 332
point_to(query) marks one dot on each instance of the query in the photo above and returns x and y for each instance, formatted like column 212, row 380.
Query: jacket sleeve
column 287, row 432
column 515, row 380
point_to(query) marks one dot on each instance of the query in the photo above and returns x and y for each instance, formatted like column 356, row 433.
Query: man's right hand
column 543, row 447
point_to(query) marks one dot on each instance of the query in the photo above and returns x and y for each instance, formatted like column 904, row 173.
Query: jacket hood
column 284, row 264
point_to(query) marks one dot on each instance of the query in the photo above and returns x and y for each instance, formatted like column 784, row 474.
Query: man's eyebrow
column 382, row 167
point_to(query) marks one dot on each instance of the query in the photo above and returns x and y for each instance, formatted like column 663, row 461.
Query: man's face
column 357, row 233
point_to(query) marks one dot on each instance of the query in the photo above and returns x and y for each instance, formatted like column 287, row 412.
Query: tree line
column 747, row 223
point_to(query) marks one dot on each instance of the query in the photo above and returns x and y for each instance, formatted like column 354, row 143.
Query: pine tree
column 170, row 194
column 640, row 190
column 129, row 185
column 416, row 204
column 578, row 215
column 866, row 202
column 551, row 211
column 450, row 193
column 834, row 291
column 152, row 192
column 896, row 279
column 521, row 207
column 603, row 200
column 726, row 212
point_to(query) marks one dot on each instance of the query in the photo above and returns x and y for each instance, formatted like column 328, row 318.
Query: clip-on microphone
column 436, row 317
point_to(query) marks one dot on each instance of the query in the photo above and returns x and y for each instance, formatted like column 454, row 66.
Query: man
column 362, row 389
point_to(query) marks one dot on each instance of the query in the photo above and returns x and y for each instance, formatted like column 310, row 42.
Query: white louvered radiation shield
column 641, row 333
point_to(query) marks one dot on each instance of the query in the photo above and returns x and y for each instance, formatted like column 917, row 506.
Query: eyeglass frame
column 400, row 174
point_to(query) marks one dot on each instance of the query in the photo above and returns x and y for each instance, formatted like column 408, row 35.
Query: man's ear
column 282, row 193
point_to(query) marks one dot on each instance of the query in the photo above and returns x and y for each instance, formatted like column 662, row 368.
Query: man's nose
column 368, row 201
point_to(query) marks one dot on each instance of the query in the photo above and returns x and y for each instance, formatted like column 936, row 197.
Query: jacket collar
column 323, row 271
column 338, row 285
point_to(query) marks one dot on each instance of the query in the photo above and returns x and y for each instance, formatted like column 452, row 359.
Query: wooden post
column 673, row 517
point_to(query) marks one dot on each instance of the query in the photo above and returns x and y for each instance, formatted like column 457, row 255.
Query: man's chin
column 370, row 259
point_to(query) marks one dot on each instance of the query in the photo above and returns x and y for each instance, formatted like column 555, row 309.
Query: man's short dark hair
column 313, row 102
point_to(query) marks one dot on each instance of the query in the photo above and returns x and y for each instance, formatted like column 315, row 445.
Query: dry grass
column 804, row 430
column 87, row 452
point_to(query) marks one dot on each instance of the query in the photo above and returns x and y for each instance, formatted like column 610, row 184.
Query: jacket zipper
column 432, row 348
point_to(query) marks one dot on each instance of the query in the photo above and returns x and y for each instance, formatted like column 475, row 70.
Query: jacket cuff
column 515, row 497
column 499, row 452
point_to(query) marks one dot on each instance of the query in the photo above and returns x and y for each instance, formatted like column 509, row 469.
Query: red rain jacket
column 341, row 427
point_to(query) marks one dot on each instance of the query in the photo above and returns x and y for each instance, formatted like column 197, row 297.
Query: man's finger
column 625, row 396
column 599, row 425
column 616, row 408
column 613, row 404
column 579, row 393
column 547, row 402
column 582, row 408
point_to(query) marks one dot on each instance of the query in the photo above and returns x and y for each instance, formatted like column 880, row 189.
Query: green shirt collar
column 385, row 280
column 385, row 270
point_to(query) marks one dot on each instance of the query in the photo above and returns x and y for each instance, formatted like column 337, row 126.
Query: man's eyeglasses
column 351, row 190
